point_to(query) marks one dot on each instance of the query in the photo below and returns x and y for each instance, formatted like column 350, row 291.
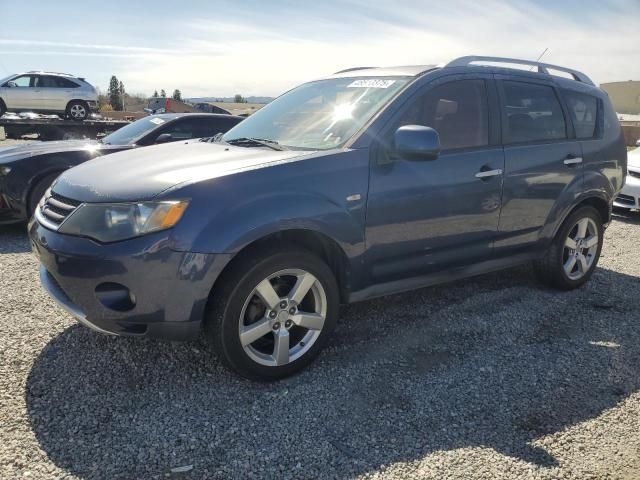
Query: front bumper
column 629, row 196
column 94, row 106
column 168, row 289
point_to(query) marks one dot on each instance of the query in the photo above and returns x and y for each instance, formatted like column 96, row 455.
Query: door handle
column 572, row 160
column 489, row 173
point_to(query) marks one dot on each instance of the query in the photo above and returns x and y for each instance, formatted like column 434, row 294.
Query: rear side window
column 583, row 109
column 458, row 111
column 533, row 113
column 65, row 83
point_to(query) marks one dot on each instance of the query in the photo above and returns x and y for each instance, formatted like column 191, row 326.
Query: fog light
column 115, row 297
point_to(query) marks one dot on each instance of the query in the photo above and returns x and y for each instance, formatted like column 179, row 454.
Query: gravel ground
column 492, row 377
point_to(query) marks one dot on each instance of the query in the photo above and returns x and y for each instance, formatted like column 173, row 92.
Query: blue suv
column 368, row 182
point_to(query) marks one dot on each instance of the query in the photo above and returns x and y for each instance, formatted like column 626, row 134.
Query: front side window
column 184, row 129
column 319, row 115
column 583, row 109
column 533, row 113
column 23, row 81
column 458, row 111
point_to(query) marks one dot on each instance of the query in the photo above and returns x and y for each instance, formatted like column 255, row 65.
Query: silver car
column 47, row 92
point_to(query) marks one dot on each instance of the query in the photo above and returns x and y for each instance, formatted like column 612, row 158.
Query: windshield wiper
column 262, row 142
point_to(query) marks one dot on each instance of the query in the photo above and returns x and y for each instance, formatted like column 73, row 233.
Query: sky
column 264, row 47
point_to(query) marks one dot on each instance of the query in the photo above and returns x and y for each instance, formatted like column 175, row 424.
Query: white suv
column 629, row 196
column 46, row 92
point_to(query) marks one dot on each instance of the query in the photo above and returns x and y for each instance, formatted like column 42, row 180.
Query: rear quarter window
column 583, row 109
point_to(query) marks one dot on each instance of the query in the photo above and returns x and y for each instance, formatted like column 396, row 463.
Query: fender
column 595, row 185
column 264, row 216
column 326, row 194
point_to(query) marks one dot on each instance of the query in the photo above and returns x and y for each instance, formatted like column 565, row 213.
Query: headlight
column 4, row 170
column 118, row 221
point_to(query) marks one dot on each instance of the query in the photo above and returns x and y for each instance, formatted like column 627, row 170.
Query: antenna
column 541, row 55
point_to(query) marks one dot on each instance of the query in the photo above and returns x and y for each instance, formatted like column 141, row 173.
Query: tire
column 39, row 190
column 564, row 267
column 235, row 304
column 77, row 110
column 3, row 108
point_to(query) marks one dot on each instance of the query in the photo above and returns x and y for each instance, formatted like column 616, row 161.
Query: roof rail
column 352, row 69
column 51, row 73
column 542, row 67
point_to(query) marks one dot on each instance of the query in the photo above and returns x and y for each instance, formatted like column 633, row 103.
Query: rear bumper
column 167, row 290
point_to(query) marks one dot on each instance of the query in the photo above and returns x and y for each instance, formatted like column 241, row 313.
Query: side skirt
column 413, row 283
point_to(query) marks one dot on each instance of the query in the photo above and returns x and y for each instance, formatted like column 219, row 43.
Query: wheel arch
column 596, row 201
column 33, row 183
column 78, row 100
column 319, row 244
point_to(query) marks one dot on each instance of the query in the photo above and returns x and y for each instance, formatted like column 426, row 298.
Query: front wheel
column 574, row 252
column 273, row 313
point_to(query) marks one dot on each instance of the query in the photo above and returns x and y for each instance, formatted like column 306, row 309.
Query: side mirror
column 416, row 142
column 11, row 84
column 164, row 138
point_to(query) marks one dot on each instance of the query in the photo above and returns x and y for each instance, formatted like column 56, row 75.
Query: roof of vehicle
column 494, row 63
column 56, row 74
column 401, row 71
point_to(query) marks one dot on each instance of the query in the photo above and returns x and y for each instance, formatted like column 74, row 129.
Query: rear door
column 427, row 216
column 543, row 161
column 45, row 92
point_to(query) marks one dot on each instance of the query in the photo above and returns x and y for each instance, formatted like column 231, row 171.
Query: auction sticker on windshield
column 371, row 83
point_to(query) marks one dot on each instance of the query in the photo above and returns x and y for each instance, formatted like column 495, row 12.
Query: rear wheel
column 273, row 313
column 77, row 110
column 3, row 108
column 574, row 253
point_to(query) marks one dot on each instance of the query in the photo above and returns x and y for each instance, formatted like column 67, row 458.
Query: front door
column 20, row 97
column 542, row 162
column 424, row 216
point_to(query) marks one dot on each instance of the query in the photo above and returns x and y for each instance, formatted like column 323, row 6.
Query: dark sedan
column 26, row 171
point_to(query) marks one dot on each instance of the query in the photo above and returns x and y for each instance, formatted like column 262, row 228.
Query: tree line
column 117, row 96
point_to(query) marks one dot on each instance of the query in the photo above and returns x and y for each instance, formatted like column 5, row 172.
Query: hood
column 37, row 148
column 144, row 173
column 633, row 158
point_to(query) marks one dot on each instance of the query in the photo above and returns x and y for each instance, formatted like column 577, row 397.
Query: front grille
column 626, row 199
column 55, row 208
column 634, row 173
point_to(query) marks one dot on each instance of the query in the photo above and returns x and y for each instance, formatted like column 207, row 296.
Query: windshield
column 319, row 115
column 132, row 132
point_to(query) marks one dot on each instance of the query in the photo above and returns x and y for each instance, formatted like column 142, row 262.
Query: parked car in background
column 368, row 182
column 27, row 170
column 48, row 92
column 629, row 196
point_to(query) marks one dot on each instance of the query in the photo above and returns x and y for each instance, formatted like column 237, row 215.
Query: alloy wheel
column 78, row 111
column 580, row 248
column 282, row 317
